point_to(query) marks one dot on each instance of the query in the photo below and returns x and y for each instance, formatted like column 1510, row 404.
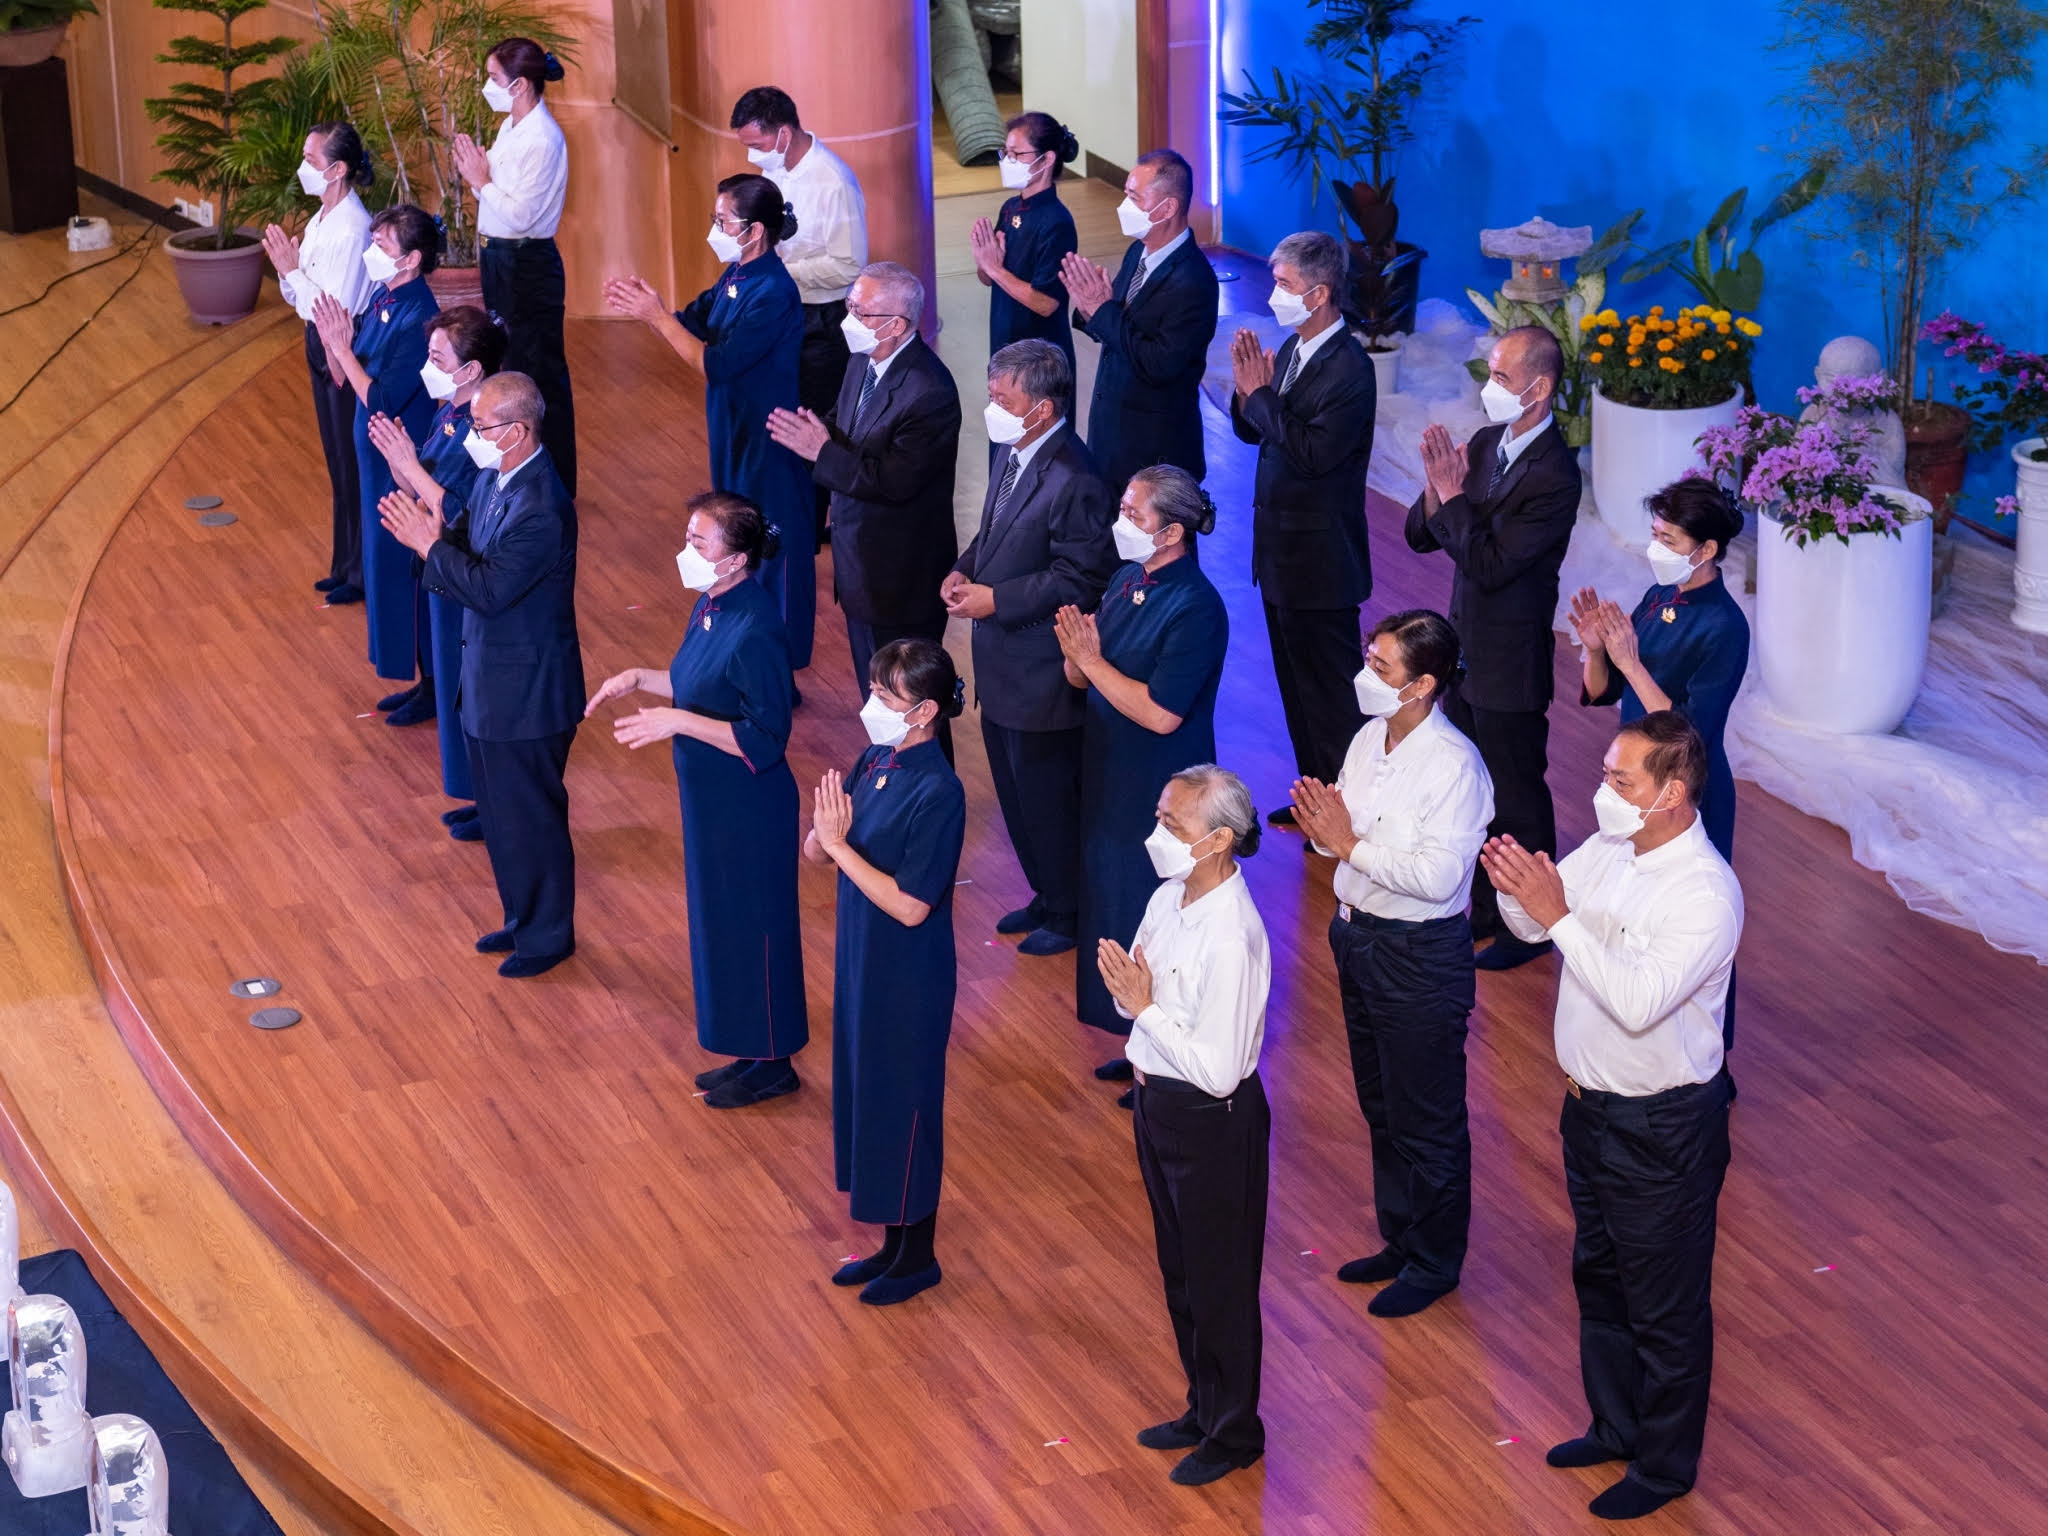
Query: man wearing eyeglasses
column 886, row 456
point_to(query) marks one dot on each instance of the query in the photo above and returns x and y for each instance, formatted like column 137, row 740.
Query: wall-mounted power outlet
column 200, row 213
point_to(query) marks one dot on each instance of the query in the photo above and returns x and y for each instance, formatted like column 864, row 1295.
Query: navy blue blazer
column 1147, row 407
column 1052, row 547
column 509, row 558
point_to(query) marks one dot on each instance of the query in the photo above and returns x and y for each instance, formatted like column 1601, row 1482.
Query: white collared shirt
column 831, row 242
column 1512, row 448
column 331, row 260
column 1420, row 813
column 529, row 179
column 1029, row 451
column 1151, row 259
column 1649, row 950
column 1304, row 349
column 881, row 365
column 1211, row 969
column 507, row 476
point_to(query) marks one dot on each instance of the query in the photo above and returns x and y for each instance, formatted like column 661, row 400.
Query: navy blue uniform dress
column 1037, row 231
column 444, row 458
column 1696, row 645
column 740, row 829
column 391, row 344
column 892, row 986
column 1167, row 630
column 751, row 322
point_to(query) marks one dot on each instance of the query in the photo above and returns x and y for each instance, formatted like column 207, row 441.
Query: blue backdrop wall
column 1580, row 111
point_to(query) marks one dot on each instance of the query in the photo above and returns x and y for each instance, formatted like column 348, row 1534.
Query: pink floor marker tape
column 366, row 714
column 632, row 607
column 1825, row 1269
column 1061, row 1441
column 1511, row 1440
column 1311, row 1253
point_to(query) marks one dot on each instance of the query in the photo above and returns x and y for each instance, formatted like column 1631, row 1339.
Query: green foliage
column 1901, row 100
column 1709, row 263
column 271, row 141
column 30, row 15
column 200, row 120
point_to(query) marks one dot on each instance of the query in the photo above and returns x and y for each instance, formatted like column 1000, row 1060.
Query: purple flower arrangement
column 1813, row 477
column 2013, row 393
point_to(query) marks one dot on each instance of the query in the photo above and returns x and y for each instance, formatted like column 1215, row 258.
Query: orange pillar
column 860, row 74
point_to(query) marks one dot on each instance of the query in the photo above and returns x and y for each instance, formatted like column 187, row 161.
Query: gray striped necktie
column 1293, row 370
column 1500, row 468
column 867, row 393
column 1007, row 485
column 1137, row 281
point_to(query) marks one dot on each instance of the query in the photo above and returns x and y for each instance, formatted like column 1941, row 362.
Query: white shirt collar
column 1513, row 447
column 1304, row 350
column 1151, row 259
column 1029, row 451
column 506, row 476
column 882, row 365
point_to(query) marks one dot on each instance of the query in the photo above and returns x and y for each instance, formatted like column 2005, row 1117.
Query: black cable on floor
column 88, row 320
column 76, row 271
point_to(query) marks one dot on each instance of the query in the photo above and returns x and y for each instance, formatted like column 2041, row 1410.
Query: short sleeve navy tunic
column 444, row 458
column 1168, row 630
column 893, row 987
column 1037, row 231
column 391, row 344
column 740, row 829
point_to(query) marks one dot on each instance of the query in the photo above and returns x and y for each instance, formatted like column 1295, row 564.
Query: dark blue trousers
column 523, row 284
column 522, row 804
column 334, row 408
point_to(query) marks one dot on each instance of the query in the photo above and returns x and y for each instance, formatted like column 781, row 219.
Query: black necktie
column 1500, row 468
column 1293, row 370
column 1008, row 484
column 867, row 393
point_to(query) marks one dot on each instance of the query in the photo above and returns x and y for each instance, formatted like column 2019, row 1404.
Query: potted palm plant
column 219, row 267
column 30, row 30
column 1902, row 100
column 1389, row 55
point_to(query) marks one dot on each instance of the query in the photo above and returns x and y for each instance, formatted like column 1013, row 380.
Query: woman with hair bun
column 894, row 825
column 328, row 258
column 729, row 695
column 1018, row 257
column 745, row 334
column 1150, row 658
column 520, row 185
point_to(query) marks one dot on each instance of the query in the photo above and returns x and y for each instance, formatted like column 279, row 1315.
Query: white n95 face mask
column 769, row 160
column 1499, row 402
column 723, row 246
column 1617, row 817
column 1171, row 858
column 440, row 384
column 378, row 264
column 1288, row 308
column 1377, row 698
column 497, row 97
column 885, row 726
column 860, row 340
column 1016, row 174
column 483, row 453
column 698, row 574
column 1132, row 220
column 312, row 179
column 1132, row 542
column 1002, row 426
column 1667, row 565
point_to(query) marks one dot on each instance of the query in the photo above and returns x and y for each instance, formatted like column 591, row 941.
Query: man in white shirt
column 1405, row 821
column 830, row 246
column 1194, row 986
column 1646, row 916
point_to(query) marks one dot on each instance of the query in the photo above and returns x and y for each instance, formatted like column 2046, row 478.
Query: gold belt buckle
column 1571, row 1085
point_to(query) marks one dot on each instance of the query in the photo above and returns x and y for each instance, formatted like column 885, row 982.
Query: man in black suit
column 1155, row 321
column 1044, row 542
column 1309, row 409
column 886, row 456
column 506, row 551
column 1502, row 507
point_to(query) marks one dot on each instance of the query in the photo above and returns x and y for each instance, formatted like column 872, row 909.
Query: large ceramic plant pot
column 220, row 287
column 1638, row 451
column 1841, row 629
column 30, row 45
column 1937, row 454
column 2030, row 569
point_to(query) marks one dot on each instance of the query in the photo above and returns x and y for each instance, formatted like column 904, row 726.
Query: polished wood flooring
column 521, row 1168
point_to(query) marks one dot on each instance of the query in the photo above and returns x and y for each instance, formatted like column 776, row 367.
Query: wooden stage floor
column 514, row 1184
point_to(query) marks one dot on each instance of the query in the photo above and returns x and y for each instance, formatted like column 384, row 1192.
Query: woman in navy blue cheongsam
column 379, row 355
column 894, row 826
column 1150, row 657
column 1018, row 256
column 730, row 691
column 745, row 332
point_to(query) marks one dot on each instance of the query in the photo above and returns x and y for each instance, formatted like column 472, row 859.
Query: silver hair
column 1317, row 258
column 1037, row 367
column 899, row 287
column 1224, row 802
column 515, row 397
column 1178, row 497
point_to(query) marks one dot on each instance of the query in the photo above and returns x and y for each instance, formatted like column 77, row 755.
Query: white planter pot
column 1386, row 367
column 2030, row 569
column 1841, row 629
column 1637, row 452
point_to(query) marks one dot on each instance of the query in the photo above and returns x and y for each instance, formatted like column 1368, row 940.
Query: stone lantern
column 1538, row 249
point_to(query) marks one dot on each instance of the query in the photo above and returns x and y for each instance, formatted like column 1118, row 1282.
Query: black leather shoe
column 890, row 1289
column 1628, row 1500
column 1284, row 817
column 416, row 710
column 1118, row 1071
column 326, row 583
column 392, row 701
column 460, row 813
column 1174, row 1435
column 1023, row 920
column 497, row 942
column 517, row 966
column 1375, row 1270
column 1582, row 1452
column 1128, row 1099
column 1199, row 1467
column 348, row 592
column 753, row 1086
column 1506, row 952
column 1045, row 941
column 470, row 831
column 861, row 1271
column 725, row 1074
column 1403, row 1299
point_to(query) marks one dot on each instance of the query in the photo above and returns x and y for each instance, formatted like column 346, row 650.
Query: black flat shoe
column 725, row 1074
column 1023, row 920
column 1118, row 1071
column 1284, row 817
column 341, row 596
column 498, row 941
column 1582, row 1452
column 326, row 583
column 392, row 701
column 417, row 710
column 1174, row 1435
column 890, row 1289
column 460, row 813
column 1128, row 1099
column 1199, row 1467
column 1628, row 1500
column 1505, row 954
column 1378, row 1269
column 752, row 1086
column 470, row 831
column 518, row 966
column 1046, row 941
column 1403, row 1299
column 861, row 1271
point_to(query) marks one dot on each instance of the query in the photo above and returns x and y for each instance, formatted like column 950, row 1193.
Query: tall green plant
column 271, row 141
column 1707, row 261
column 200, row 119
column 1901, row 100
column 30, row 15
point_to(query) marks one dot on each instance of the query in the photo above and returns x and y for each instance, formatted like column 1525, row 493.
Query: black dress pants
column 1204, row 1162
column 1037, row 776
column 1644, row 1176
column 1316, row 654
column 1407, row 989
column 522, row 806
column 820, row 370
column 863, row 639
column 334, row 407
column 522, row 281
column 1515, row 746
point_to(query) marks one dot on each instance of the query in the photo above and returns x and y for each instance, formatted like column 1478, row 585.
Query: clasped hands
column 967, row 599
column 336, row 326
column 1603, row 629
column 1127, row 976
column 1443, row 462
column 1530, row 878
column 831, row 815
column 1079, row 639
column 1251, row 365
column 801, row 431
column 988, row 245
column 409, row 521
column 1320, row 811
column 635, row 298
column 471, row 163
column 1089, row 286
column 282, row 250
column 395, row 443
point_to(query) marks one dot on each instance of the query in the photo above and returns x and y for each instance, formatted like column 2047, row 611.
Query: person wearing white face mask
column 745, row 335
column 1502, row 507
column 1044, row 543
column 504, row 548
column 1194, row 986
column 1150, row 659
column 1405, row 821
column 328, row 258
column 894, row 825
column 727, row 698
column 380, row 354
column 1309, row 409
column 1647, row 917
column 1018, row 255
column 886, row 456
column 1155, row 321
column 520, row 186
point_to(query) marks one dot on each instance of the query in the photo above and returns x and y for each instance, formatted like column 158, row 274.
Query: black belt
column 512, row 245
column 1351, row 915
column 1146, row 1079
column 1602, row 1096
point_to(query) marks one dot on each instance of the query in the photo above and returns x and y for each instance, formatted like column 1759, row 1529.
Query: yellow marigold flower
column 1730, row 344
column 1605, row 339
column 1635, row 362
column 1594, row 357
column 1706, row 354
column 1721, row 317
column 1609, row 317
column 1749, row 328
column 1589, row 322
column 1721, row 326
column 1656, row 309
column 1664, row 345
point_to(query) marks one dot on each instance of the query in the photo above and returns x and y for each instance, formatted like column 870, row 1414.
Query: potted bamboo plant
column 1902, row 99
column 219, row 267
column 31, row 30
